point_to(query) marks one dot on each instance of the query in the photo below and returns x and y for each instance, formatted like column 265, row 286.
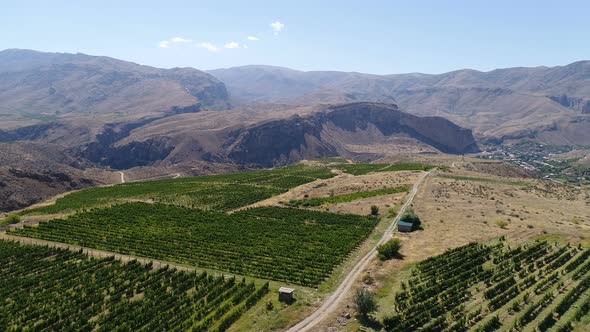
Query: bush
column 364, row 302
column 368, row 279
column 410, row 216
column 269, row 306
column 389, row 249
column 502, row 224
column 374, row 210
column 392, row 321
column 12, row 218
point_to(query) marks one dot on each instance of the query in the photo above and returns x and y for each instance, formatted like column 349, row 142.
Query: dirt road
column 332, row 302
column 122, row 177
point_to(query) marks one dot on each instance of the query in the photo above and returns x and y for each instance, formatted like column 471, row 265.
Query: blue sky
column 379, row 37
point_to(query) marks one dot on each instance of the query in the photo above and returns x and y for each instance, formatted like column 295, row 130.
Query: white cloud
column 180, row 40
column 232, row 44
column 173, row 40
column 210, row 47
column 277, row 27
column 245, row 46
column 252, row 38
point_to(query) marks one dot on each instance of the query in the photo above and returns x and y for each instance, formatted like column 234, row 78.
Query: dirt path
column 122, row 177
column 332, row 302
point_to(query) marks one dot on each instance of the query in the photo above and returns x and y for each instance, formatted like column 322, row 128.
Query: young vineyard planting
column 318, row 201
column 217, row 192
column 293, row 245
column 481, row 287
column 45, row 289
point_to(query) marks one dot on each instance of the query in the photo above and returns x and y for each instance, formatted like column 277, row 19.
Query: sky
column 380, row 37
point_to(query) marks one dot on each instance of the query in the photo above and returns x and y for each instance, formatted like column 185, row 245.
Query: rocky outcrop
column 279, row 142
column 285, row 141
column 352, row 130
column 579, row 104
column 435, row 131
column 29, row 133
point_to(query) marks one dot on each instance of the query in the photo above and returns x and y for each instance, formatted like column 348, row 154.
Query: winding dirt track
column 332, row 302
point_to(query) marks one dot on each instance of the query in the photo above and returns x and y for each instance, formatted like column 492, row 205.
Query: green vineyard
column 361, row 169
column 61, row 290
column 216, row 192
column 297, row 246
column 539, row 286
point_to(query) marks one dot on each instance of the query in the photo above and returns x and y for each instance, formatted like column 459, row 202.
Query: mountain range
column 551, row 104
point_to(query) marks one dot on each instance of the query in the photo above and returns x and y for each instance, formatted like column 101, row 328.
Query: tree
column 365, row 303
column 389, row 249
column 374, row 210
column 410, row 216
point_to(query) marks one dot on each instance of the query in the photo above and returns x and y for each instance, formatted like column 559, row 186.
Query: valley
column 463, row 201
column 261, row 198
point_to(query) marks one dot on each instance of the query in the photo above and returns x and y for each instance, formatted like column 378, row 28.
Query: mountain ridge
column 498, row 105
column 62, row 84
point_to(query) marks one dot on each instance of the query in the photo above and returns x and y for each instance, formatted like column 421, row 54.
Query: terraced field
column 45, row 289
column 538, row 286
column 292, row 245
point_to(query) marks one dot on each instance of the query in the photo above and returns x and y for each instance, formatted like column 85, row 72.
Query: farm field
column 217, row 192
column 61, row 290
column 479, row 179
column 297, row 246
column 350, row 190
column 344, row 198
column 489, row 287
column 362, row 169
column 457, row 208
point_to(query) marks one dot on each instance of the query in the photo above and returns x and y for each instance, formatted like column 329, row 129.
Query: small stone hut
column 286, row 294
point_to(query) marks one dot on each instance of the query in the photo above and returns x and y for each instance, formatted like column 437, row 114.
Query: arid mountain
column 263, row 138
column 31, row 172
column 37, row 86
column 551, row 104
column 249, row 84
column 63, row 155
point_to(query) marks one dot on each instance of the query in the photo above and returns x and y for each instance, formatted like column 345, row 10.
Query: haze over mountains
column 551, row 104
column 35, row 83
column 100, row 114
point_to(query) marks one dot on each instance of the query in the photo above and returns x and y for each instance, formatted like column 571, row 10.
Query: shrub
column 374, row 210
column 269, row 306
column 389, row 249
column 12, row 218
column 410, row 216
column 502, row 224
column 364, row 302
column 368, row 279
